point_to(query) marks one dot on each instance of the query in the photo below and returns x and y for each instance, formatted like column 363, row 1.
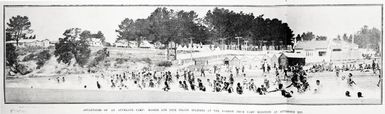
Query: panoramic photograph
column 193, row 54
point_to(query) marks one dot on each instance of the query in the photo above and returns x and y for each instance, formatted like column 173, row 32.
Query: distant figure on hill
column 374, row 67
column 379, row 80
column 97, row 84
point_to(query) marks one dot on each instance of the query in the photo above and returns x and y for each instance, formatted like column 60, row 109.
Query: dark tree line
column 227, row 24
column 165, row 25
column 308, row 36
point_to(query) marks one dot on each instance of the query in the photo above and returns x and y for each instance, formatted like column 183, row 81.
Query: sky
column 51, row 22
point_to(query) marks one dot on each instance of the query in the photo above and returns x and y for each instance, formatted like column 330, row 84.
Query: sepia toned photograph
column 213, row 54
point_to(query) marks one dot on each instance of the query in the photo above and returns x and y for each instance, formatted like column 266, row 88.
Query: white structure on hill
column 158, row 45
column 133, row 44
column 146, row 44
column 328, row 51
column 95, row 42
column 143, row 44
column 121, row 43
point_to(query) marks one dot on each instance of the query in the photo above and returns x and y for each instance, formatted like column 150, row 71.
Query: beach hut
column 226, row 61
column 290, row 59
column 235, row 61
column 274, row 59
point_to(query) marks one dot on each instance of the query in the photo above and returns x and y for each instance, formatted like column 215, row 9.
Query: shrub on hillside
column 100, row 56
column 29, row 57
column 40, row 57
column 11, row 58
column 23, row 69
column 146, row 60
column 121, row 60
column 160, row 53
column 28, row 49
column 165, row 63
column 107, row 64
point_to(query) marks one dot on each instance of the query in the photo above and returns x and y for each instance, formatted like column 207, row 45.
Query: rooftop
column 312, row 44
column 293, row 55
column 316, row 44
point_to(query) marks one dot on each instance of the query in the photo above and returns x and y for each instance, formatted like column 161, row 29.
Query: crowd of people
column 362, row 67
column 186, row 80
column 225, row 79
